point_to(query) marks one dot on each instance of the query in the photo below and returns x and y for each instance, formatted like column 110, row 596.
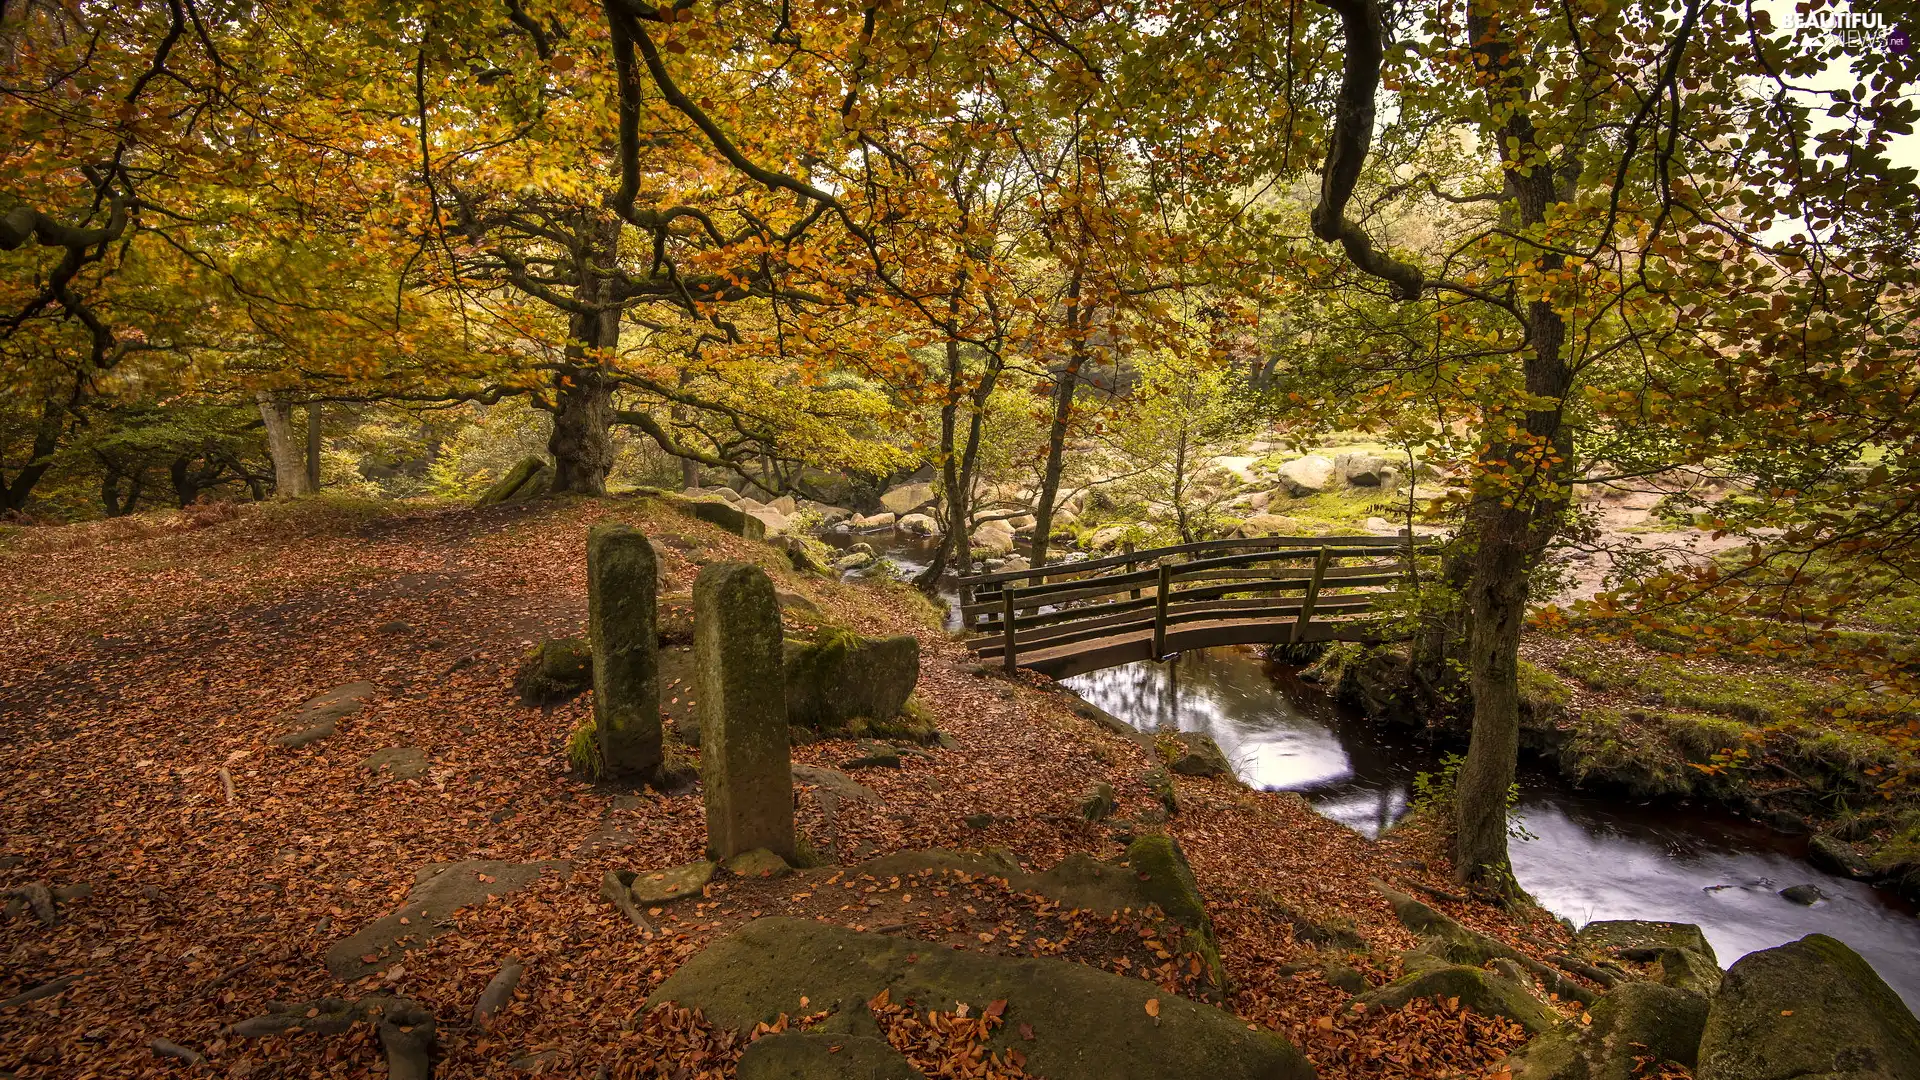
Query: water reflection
column 1588, row 858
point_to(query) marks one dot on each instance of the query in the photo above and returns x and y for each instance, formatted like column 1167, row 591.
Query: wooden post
column 1127, row 546
column 966, row 601
column 1313, row 596
column 1160, row 612
column 1007, row 659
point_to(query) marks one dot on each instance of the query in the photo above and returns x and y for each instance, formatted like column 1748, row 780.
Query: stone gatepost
column 621, row 582
column 744, row 765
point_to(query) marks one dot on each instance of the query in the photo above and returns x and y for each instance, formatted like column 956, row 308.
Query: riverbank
column 202, row 871
column 1787, row 746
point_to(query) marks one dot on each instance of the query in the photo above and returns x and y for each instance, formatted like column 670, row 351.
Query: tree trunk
column 46, row 440
column 1522, row 498
column 289, row 462
column 1065, row 382
column 582, row 439
column 313, row 446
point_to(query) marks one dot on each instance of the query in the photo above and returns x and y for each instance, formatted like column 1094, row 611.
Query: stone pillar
column 621, row 581
column 744, row 765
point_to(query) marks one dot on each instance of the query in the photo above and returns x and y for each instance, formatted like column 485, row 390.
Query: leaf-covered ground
column 146, row 665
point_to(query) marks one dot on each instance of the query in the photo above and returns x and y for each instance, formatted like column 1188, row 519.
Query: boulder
column 1635, row 1022
column 1306, row 476
column 993, row 538
column 1449, row 940
column 1239, row 467
column 833, row 780
column 853, row 560
column 874, row 521
column 1810, row 1008
column 1269, row 525
column 840, row 676
column 917, row 525
column 806, row 1055
column 729, row 517
column 319, row 716
column 1192, row 753
column 906, row 498
column 784, row 506
column 530, row 478
column 758, row 863
column 1154, row 874
column 1477, row 988
column 440, row 889
column 1096, row 803
column 1837, row 857
column 554, row 671
column 1684, row 958
column 1109, row 537
column 1804, row 895
column 1086, row 1024
column 1362, row 470
column 773, row 521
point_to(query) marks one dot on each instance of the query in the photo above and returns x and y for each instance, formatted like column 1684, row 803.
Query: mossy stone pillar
column 621, row 582
column 744, row 765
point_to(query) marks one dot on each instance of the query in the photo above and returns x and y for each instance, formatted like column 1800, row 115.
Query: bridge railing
column 1263, row 579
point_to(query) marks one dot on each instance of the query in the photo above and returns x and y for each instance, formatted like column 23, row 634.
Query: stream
column 1583, row 857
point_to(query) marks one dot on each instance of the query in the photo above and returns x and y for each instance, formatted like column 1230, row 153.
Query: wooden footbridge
column 1067, row 618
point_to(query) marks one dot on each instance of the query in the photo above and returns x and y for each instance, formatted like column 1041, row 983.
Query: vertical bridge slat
column 1312, row 597
column 1008, row 659
column 1160, row 611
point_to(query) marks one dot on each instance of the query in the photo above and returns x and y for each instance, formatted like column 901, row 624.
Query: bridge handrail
column 1079, row 566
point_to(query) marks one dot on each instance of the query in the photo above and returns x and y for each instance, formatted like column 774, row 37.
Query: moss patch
column 554, row 671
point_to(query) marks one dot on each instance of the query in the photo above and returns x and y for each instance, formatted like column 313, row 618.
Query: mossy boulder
column 839, row 677
column 1638, row 1020
column 1809, row 1008
column 1684, row 958
column 1477, row 988
column 1086, row 1024
column 1192, row 753
column 727, row 516
column 530, row 478
column 1160, row 783
column 554, row 671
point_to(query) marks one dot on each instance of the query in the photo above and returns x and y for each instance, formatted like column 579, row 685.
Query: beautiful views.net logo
column 1854, row 29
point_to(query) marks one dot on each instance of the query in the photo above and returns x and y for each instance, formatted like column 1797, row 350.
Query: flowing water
column 1584, row 857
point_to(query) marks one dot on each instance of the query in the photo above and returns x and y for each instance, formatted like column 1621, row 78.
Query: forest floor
column 145, row 663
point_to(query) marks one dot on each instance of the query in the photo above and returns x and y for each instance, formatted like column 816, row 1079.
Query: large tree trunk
column 582, row 439
column 46, row 440
column 1522, row 498
column 288, row 454
column 313, row 446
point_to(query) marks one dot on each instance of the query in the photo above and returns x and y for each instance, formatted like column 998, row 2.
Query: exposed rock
column 1641, row 940
column 1836, row 856
column 906, row 498
column 673, row 883
column 1268, row 525
column 732, row 518
column 993, row 538
column 396, row 763
column 319, row 717
column 839, row 677
column 1635, row 1022
column 1087, row 1024
column 1448, row 939
column 746, row 773
column 1096, row 804
column 1306, row 476
column 622, row 575
column 1345, row 977
column 1239, row 467
column 440, row 891
column 842, row 785
column 874, row 521
column 874, row 756
column 1197, row 755
column 1362, row 470
column 530, row 478
column 554, row 671
column 1161, row 784
column 1810, row 1008
column 498, row 992
column 758, row 863
column 1804, row 895
column 853, row 560
column 1109, row 537
column 784, row 506
column 1478, row 989
column 917, row 525
column 805, row 1055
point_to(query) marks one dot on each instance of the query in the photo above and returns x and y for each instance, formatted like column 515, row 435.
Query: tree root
column 407, row 1035
column 39, row 899
column 163, row 1049
column 44, row 990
